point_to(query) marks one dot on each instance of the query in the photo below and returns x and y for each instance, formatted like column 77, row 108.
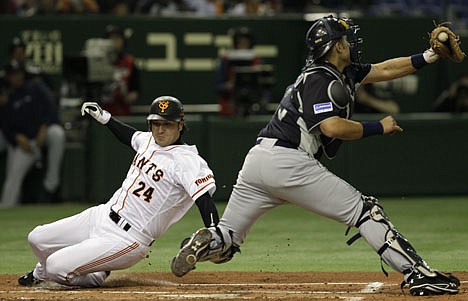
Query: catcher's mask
column 326, row 31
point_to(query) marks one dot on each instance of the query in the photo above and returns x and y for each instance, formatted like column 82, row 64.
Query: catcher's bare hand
column 445, row 43
column 390, row 125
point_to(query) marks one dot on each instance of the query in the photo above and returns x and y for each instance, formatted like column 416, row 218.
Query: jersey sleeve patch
column 323, row 107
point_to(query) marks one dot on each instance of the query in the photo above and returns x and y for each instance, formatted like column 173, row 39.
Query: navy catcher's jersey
column 320, row 92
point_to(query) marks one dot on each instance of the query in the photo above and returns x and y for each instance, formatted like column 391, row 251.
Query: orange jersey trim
column 106, row 259
column 193, row 195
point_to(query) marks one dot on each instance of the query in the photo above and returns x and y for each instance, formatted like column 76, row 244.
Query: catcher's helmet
column 326, row 31
column 166, row 108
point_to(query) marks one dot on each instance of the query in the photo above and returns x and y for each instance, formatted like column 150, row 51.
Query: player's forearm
column 122, row 131
column 390, row 69
column 341, row 128
column 208, row 210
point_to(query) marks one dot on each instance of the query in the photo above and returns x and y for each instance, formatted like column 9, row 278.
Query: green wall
column 428, row 158
column 177, row 55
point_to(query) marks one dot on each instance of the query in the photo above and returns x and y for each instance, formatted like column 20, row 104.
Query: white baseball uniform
column 161, row 186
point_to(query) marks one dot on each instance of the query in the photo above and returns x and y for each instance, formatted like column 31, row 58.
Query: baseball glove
column 450, row 48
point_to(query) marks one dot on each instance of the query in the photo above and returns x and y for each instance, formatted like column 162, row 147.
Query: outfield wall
column 429, row 158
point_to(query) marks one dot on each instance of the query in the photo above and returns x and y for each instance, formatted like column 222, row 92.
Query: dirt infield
column 348, row 286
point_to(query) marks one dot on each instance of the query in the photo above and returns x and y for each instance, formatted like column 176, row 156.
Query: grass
column 285, row 239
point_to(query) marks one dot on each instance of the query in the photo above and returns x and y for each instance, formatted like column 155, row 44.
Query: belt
column 122, row 223
column 279, row 142
column 116, row 218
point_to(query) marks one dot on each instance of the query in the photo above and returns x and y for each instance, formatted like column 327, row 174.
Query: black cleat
column 189, row 254
column 442, row 283
column 28, row 280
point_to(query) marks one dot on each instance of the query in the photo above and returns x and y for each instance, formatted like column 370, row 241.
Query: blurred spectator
column 25, row 8
column 237, row 93
column 121, row 8
column 159, row 7
column 30, row 124
column 455, row 98
column 246, row 7
column 205, row 7
column 368, row 100
column 17, row 55
column 124, row 90
column 45, row 7
column 76, row 6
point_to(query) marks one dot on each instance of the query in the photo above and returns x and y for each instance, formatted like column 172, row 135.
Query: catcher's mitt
column 450, row 48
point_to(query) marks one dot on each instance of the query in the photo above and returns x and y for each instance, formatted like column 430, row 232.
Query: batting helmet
column 166, row 108
column 326, row 31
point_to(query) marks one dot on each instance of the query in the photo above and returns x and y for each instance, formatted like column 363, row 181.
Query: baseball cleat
column 442, row 283
column 188, row 255
column 28, row 279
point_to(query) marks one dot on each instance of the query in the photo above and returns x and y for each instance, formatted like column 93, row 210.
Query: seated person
column 29, row 123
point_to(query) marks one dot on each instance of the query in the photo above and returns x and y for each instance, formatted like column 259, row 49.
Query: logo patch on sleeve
column 323, row 107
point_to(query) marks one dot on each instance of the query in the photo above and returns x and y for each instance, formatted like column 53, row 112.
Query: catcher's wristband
column 371, row 128
column 418, row 61
column 422, row 59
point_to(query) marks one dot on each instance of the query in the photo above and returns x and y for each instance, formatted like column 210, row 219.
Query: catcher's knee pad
column 221, row 248
column 387, row 237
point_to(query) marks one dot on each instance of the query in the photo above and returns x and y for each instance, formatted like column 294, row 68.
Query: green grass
column 285, row 239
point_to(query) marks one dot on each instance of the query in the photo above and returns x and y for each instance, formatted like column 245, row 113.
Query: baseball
column 443, row 36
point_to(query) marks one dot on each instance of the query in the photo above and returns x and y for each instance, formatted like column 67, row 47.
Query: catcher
column 312, row 120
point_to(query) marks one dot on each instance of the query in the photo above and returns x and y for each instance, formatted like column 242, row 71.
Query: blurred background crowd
column 454, row 8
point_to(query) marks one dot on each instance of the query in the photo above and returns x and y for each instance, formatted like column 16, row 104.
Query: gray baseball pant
column 273, row 175
column 19, row 162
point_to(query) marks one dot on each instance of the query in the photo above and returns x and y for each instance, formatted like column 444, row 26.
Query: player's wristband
column 422, row 59
column 418, row 61
column 371, row 128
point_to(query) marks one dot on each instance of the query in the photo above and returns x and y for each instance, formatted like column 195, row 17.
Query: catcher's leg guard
column 190, row 253
column 393, row 248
